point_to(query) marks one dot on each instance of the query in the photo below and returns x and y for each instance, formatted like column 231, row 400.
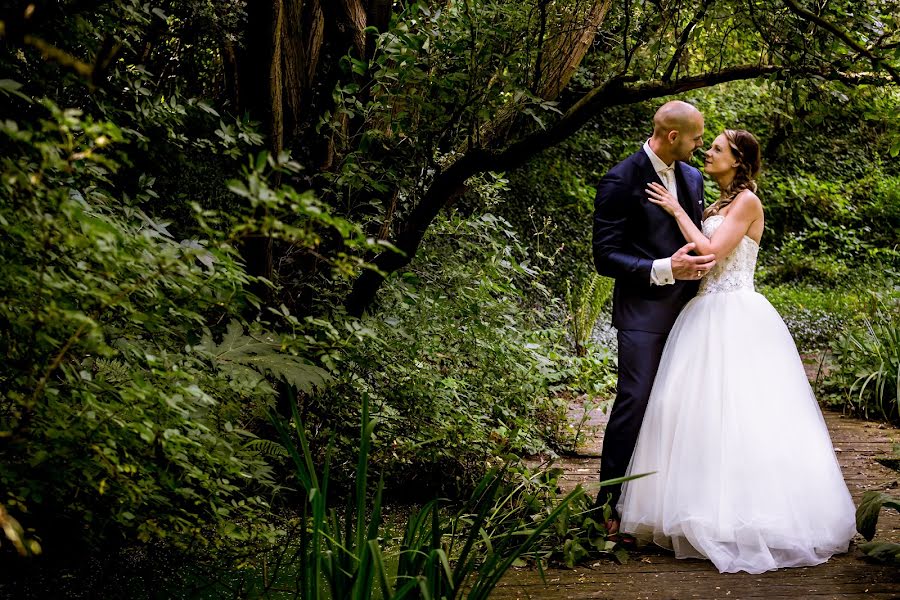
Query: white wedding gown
column 745, row 473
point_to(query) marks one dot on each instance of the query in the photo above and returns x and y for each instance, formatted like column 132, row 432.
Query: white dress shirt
column 661, row 272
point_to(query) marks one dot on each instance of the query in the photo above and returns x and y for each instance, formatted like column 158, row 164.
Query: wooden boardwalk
column 654, row 574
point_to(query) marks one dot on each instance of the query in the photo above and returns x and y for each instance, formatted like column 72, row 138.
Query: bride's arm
column 742, row 213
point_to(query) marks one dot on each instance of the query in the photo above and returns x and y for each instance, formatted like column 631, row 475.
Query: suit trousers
column 639, row 356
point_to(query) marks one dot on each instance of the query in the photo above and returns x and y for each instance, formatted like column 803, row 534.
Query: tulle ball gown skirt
column 745, row 472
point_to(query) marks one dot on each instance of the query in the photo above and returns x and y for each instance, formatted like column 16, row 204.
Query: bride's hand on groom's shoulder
column 660, row 196
column 687, row 267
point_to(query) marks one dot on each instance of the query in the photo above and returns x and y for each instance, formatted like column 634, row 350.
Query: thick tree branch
column 451, row 180
column 877, row 62
column 59, row 56
column 612, row 93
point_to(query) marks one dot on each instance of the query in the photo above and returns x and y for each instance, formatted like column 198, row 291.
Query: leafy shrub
column 866, row 520
column 816, row 315
column 458, row 365
column 585, row 304
column 822, row 230
column 551, row 202
column 122, row 415
column 868, row 364
column 794, row 262
column 530, row 495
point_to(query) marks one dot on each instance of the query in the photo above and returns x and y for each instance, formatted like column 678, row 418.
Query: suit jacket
column 630, row 233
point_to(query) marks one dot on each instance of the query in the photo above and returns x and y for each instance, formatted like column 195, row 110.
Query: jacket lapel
column 686, row 196
column 647, row 171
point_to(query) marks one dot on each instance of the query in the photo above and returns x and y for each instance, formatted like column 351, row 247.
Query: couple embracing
column 712, row 396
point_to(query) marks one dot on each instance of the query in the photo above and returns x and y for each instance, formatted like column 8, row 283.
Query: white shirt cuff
column 661, row 272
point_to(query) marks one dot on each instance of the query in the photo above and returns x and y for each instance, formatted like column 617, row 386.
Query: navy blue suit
column 629, row 234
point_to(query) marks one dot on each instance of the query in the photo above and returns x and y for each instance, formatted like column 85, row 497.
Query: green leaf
column 237, row 186
column 8, row 85
column 895, row 148
column 622, row 556
column 264, row 356
column 206, row 107
column 867, row 512
column 882, row 551
column 267, row 448
column 261, row 159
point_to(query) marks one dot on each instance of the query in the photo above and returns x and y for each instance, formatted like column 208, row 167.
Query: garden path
column 655, row 574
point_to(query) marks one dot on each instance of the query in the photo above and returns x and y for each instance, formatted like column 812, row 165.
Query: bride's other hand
column 660, row 196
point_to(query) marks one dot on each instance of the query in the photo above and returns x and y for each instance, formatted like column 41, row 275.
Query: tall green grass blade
column 362, row 472
column 380, row 569
column 489, row 485
column 407, row 590
column 493, row 568
column 424, row 589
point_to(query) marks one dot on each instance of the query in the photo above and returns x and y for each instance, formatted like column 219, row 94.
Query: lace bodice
column 735, row 271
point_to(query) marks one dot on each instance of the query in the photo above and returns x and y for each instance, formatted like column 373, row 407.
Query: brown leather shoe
column 619, row 539
column 612, row 526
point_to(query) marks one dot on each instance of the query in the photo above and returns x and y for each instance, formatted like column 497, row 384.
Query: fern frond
column 267, row 448
column 585, row 306
column 263, row 356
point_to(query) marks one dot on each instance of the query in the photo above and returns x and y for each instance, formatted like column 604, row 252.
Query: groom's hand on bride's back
column 685, row 266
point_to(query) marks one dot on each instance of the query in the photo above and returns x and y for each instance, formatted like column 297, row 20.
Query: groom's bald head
column 677, row 131
column 676, row 115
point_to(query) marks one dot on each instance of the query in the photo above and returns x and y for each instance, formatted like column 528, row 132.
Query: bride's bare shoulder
column 748, row 201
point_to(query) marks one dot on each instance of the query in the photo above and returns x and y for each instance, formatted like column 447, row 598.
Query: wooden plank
column 655, row 574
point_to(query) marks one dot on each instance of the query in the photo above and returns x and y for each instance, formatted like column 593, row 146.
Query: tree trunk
column 257, row 76
column 556, row 62
column 275, row 74
column 303, row 34
column 564, row 52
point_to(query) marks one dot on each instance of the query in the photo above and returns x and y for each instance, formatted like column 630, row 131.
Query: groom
column 640, row 245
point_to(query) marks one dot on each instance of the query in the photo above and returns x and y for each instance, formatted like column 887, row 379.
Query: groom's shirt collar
column 658, row 164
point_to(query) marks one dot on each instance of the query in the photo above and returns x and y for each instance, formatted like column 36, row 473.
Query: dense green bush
column 867, row 359
column 551, row 200
column 124, row 414
column 459, row 367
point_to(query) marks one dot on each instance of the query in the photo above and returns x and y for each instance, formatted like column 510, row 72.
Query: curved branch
column 52, row 53
column 450, row 181
column 876, row 61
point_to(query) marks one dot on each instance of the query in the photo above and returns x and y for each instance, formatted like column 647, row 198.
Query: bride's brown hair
column 746, row 150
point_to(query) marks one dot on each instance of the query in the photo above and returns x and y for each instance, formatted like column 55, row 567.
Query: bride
column 744, row 472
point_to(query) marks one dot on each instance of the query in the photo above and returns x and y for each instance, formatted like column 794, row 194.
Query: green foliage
column 868, row 364
column 585, row 304
column 458, row 364
column 578, row 534
column 551, row 202
column 250, row 356
column 824, row 228
column 347, row 557
column 118, row 419
column 866, row 520
column 430, row 82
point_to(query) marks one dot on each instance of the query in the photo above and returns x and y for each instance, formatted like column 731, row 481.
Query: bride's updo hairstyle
column 746, row 150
